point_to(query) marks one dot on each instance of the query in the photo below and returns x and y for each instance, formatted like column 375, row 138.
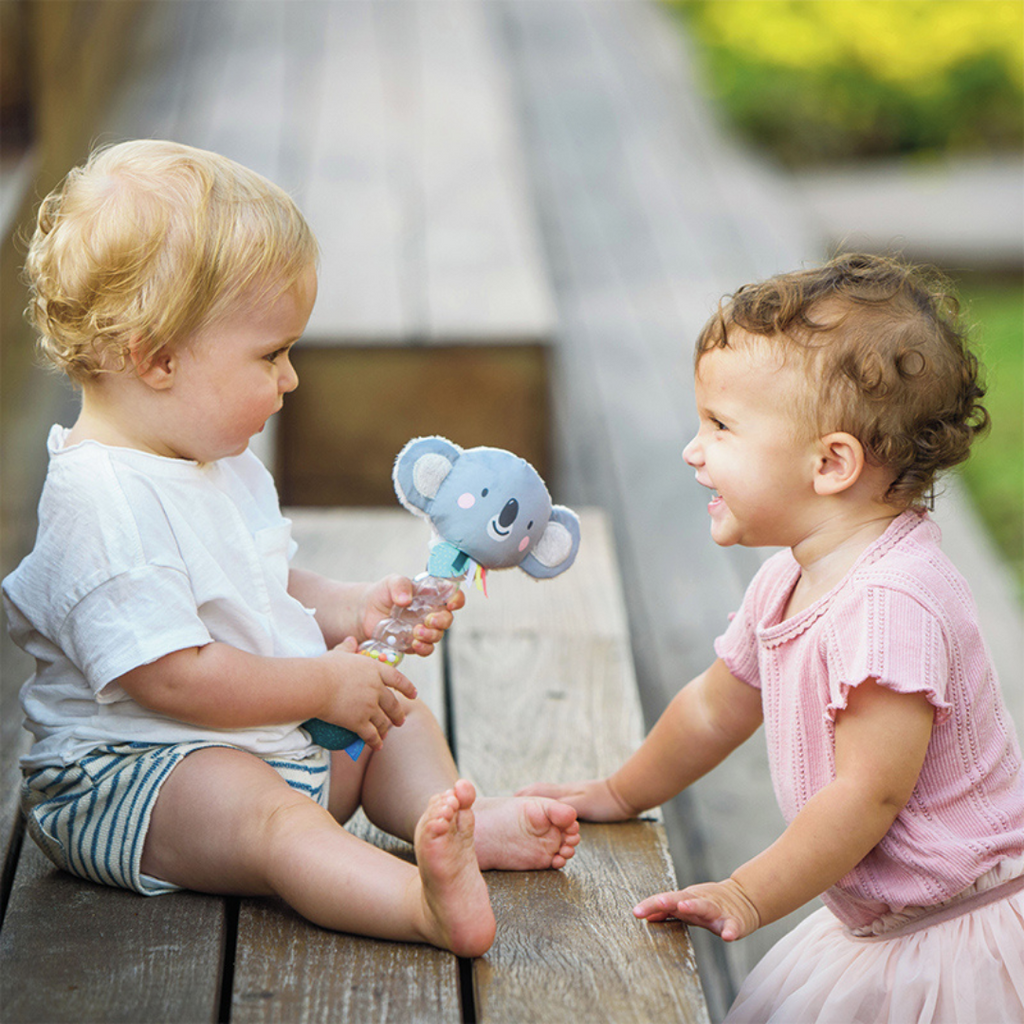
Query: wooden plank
column 77, row 952
column 15, row 668
column 550, row 661
column 247, row 113
column 157, row 74
column 361, row 193
column 484, row 272
column 567, row 945
column 416, row 188
column 287, row 969
column 204, row 63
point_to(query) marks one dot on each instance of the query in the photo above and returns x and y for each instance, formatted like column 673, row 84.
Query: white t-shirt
column 138, row 556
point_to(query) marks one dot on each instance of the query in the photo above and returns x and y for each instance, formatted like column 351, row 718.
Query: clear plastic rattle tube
column 394, row 635
column 392, row 638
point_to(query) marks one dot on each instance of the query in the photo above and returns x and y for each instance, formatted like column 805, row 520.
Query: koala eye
column 483, row 493
column 529, row 525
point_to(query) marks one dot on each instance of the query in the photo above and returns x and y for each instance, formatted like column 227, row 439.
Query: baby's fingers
column 657, row 908
column 393, row 678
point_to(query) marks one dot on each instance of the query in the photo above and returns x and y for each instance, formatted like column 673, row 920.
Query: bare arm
column 218, row 686
column 708, row 719
column 881, row 741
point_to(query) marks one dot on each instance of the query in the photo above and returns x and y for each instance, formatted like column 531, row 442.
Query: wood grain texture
column 550, row 660
column 483, row 269
column 77, row 952
column 543, row 689
column 568, row 947
column 360, row 197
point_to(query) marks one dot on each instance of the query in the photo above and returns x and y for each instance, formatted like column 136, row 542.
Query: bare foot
column 455, row 898
column 524, row 833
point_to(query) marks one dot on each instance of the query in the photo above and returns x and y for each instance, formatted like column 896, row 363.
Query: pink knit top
column 904, row 616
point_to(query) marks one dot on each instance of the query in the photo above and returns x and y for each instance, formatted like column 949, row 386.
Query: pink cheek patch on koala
column 524, row 543
column 466, row 500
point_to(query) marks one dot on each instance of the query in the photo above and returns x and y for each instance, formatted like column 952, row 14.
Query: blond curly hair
column 885, row 352
column 149, row 242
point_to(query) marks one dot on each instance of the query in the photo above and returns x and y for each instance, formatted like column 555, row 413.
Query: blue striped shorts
column 91, row 817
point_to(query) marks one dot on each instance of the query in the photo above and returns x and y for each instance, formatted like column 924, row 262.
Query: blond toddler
column 828, row 400
column 176, row 651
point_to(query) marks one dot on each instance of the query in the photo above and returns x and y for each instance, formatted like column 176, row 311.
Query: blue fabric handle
column 334, row 737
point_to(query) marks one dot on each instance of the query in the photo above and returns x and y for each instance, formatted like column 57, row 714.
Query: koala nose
column 509, row 512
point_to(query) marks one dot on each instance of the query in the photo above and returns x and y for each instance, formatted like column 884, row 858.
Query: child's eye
column 275, row 355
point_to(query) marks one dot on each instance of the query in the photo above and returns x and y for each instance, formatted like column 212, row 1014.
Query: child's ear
column 155, row 369
column 840, row 463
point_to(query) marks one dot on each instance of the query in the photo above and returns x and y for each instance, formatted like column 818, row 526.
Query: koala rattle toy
column 486, row 507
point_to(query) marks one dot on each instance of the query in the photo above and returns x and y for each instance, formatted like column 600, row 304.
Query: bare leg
column 226, row 822
column 512, row 833
column 414, row 764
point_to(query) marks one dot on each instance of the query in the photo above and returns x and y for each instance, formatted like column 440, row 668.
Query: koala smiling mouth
column 500, row 526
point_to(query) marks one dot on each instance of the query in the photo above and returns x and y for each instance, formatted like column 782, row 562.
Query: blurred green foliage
column 826, row 80
column 994, row 473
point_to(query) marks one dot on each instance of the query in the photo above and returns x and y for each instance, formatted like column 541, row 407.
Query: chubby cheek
column 247, row 415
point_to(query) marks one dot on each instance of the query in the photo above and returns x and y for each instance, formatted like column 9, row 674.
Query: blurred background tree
column 819, row 83
column 826, row 80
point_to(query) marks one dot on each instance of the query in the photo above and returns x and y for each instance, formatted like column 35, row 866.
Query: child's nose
column 289, row 379
column 692, row 453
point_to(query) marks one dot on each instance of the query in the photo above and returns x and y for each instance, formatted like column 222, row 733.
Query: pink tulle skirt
column 962, row 965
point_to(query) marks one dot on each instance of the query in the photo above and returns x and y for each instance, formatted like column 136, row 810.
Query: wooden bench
column 535, row 681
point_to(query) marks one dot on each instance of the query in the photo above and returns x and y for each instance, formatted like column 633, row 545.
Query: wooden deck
column 536, row 678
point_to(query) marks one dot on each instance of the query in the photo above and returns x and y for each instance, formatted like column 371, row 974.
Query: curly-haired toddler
column 829, row 399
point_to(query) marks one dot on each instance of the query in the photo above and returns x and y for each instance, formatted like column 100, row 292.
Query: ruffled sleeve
column 737, row 647
column 887, row 635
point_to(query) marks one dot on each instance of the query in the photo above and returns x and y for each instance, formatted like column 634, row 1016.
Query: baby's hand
column 593, row 799
column 721, row 907
column 363, row 699
column 398, row 590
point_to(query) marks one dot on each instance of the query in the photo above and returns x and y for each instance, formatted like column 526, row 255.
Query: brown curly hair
column 884, row 342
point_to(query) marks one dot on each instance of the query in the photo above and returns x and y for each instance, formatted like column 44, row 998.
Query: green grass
column 994, row 474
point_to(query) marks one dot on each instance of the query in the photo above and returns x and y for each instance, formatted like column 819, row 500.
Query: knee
column 292, row 814
column 290, row 823
column 416, row 710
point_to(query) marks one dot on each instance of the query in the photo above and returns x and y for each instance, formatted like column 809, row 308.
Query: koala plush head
column 488, row 504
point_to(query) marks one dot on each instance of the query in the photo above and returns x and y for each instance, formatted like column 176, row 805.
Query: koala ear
column 557, row 547
column 420, row 469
